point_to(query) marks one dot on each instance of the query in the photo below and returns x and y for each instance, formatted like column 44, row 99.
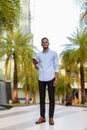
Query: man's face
column 45, row 44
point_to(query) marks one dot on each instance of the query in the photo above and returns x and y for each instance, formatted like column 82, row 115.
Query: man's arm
column 56, row 68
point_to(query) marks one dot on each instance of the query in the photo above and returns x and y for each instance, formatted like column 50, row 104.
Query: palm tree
column 83, row 15
column 34, row 84
column 80, row 39
column 17, row 46
column 25, row 73
column 68, row 63
column 9, row 13
column 29, row 81
column 60, row 89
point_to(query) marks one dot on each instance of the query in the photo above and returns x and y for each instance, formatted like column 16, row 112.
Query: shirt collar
column 46, row 51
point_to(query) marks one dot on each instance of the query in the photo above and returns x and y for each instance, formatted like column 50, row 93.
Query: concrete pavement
column 23, row 118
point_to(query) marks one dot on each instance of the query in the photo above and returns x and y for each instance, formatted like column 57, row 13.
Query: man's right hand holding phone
column 35, row 62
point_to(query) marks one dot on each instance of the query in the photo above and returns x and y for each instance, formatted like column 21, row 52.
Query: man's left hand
column 55, row 82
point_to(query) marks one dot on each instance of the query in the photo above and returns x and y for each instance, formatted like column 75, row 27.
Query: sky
column 56, row 20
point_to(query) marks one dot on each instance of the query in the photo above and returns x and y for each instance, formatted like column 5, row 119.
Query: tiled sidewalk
column 23, row 118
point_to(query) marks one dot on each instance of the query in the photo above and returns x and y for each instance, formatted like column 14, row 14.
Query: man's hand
column 55, row 82
column 56, row 79
column 35, row 61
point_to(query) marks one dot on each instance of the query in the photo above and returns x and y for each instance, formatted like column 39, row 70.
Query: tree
column 83, row 12
column 27, row 74
column 68, row 63
column 29, row 81
column 17, row 46
column 61, row 87
column 80, row 39
column 9, row 13
column 83, row 15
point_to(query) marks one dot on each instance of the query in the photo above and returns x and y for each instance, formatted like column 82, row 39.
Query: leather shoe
column 51, row 122
column 41, row 120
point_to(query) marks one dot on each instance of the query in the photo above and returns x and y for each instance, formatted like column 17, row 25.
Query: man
column 47, row 64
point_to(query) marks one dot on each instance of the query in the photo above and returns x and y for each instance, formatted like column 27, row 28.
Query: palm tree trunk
column 33, row 97
column 8, row 69
column 27, row 97
column 82, row 84
column 15, row 83
column 27, row 91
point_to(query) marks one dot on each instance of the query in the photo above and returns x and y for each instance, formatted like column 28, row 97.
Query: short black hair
column 44, row 39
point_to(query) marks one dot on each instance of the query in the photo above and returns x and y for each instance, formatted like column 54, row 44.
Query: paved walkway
column 23, row 118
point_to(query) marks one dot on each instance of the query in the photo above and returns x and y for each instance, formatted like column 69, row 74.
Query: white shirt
column 48, row 65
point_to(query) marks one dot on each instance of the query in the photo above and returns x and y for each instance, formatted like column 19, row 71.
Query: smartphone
column 34, row 60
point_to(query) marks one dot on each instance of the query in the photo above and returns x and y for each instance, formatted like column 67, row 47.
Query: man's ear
column 41, row 44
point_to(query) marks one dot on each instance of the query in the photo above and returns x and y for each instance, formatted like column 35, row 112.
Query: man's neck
column 45, row 50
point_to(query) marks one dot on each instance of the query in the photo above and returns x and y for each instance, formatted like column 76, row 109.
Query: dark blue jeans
column 42, row 94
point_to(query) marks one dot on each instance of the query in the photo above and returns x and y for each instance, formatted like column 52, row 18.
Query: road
column 23, row 118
